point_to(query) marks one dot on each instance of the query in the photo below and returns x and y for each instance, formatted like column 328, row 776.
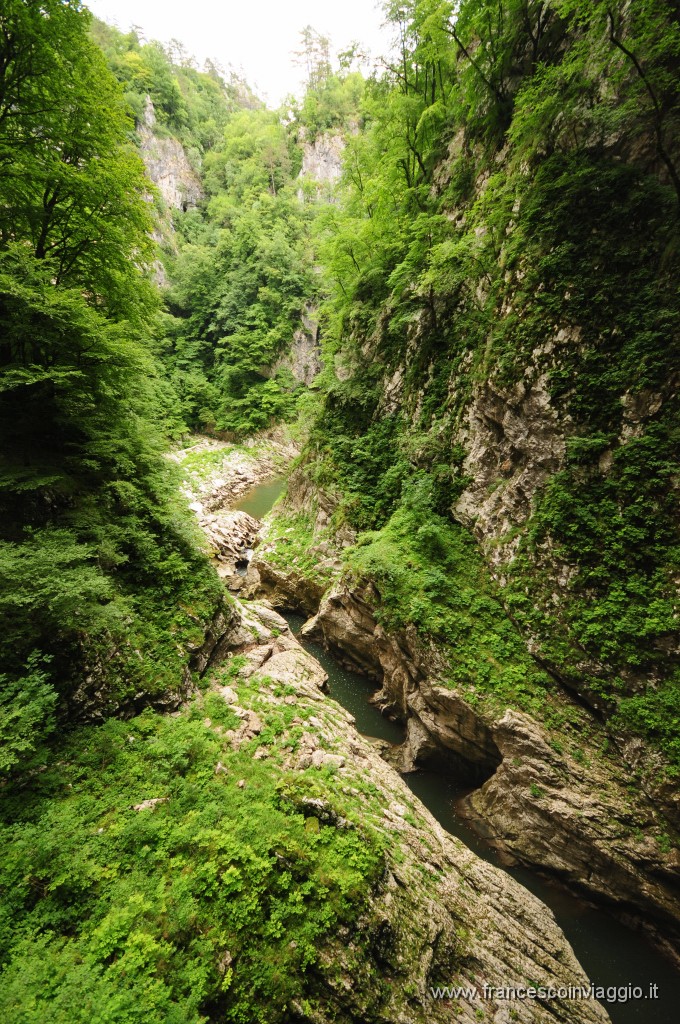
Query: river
column 610, row 953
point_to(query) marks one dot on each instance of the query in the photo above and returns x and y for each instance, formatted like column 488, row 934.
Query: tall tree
column 88, row 533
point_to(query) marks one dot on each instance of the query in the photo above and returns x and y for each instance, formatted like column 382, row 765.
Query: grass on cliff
column 292, row 546
column 213, row 903
column 203, row 463
column 429, row 573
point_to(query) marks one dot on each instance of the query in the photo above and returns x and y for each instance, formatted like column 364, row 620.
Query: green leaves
column 509, row 217
column 72, row 186
column 239, row 290
column 219, row 897
column 96, row 552
column 429, row 574
column 27, row 706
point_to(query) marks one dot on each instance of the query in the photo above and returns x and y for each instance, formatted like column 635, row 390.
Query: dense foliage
column 510, row 214
column 240, row 282
column 102, row 582
column 216, row 902
column 212, row 904
column 190, row 104
column 239, row 267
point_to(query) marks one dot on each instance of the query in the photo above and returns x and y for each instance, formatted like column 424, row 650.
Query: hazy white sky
column 256, row 36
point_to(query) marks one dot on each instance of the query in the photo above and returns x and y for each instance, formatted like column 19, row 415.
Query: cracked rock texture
column 302, row 357
column 167, row 165
column 322, row 163
column 439, row 915
column 575, row 820
column 586, row 828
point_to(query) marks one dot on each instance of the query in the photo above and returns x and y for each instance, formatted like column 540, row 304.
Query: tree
column 72, row 185
column 315, row 56
column 93, row 551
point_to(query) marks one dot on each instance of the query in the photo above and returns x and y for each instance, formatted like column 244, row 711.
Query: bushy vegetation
column 240, row 282
column 430, row 574
column 241, row 266
column 509, row 211
column 214, row 903
column 502, row 197
column 191, row 104
column 103, row 584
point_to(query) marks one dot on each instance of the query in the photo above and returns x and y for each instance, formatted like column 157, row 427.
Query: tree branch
column 658, row 112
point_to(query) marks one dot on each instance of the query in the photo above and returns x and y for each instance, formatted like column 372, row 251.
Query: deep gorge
column 339, row 522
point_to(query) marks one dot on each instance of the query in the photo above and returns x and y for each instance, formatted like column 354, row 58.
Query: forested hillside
column 450, row 284
column 504, row 301
column 240, row 264
column 104, row 585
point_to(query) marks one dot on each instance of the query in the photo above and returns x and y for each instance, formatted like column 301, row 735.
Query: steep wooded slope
column 499, row 434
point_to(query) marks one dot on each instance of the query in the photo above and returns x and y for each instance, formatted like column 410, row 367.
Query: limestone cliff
column 302, row 358
column 167, row 164
column 438, row 915
column 498, row 441
column 322, row 162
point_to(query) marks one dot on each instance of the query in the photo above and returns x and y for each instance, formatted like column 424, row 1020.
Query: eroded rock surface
column 167, row 165
column 587, row 827
column 302, row 357
column 439, row 915
column 322, row 162
column 514, row 441
column 574, row 819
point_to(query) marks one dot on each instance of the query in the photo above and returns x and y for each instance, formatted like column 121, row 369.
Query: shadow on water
column 350, row 689
column 610, row 954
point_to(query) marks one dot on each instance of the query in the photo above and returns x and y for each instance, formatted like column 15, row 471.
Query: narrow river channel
column 610, row 953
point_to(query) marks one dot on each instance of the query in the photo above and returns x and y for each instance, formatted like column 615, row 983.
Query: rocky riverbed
column 439, row 915
column 216, row 474
column 539, row 806
column 550, row 799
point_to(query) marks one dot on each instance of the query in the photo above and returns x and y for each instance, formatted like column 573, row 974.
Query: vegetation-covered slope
column 103, row 584
column 240, row 264
column 505, row 318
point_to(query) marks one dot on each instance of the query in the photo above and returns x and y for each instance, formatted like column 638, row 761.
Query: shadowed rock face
column 302, row 358
column 515, row 441
column 439, row 915
column 576, row 821
column 547, row 809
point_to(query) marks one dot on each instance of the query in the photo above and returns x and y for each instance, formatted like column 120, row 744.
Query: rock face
column 547, row 809
column 287, row 589
column 574, row 820
column 303, row 356
column 438, row 916
column 322, row 161
column 167, row 165
column 231, row 536
column 514, row 442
